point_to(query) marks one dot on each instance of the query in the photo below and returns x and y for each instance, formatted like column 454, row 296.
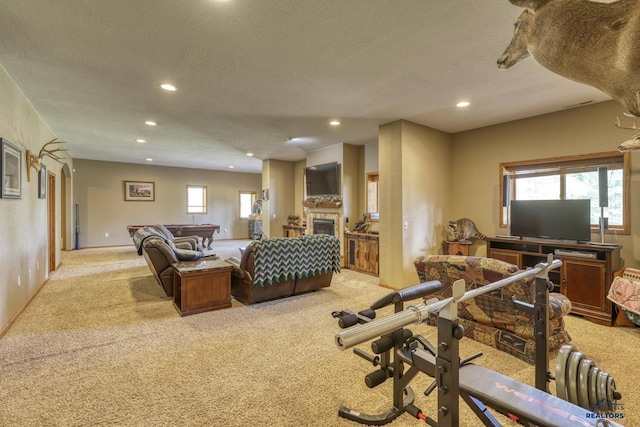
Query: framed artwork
column 11, row 171
column 139, row 191
column 42, row 182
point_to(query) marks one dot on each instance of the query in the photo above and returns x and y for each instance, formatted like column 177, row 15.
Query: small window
column 373, row 196
column 247, row 200
column 196, row 199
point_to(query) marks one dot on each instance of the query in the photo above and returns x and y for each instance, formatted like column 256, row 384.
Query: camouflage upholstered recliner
column 491, row 318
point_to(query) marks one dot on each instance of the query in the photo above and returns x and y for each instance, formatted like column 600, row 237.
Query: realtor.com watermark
column 604, row 419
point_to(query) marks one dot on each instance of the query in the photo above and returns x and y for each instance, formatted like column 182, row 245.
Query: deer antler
column 33, row 161
column 635, row 123
column 51, row 153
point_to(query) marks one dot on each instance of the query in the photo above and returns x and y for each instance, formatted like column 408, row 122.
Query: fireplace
column 326, row 220
column 324, row 226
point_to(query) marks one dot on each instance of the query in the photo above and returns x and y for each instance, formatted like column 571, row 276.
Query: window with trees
column 575, row 177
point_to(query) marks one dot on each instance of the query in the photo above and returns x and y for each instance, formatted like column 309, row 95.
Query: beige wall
column 476, row 154
column 99, row 192
column 415, row 193
column 23, row 223
column 278, row 177
column 298, row 192
column 351, row 182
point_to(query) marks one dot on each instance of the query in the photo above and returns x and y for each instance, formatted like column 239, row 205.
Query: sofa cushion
column 492, row 318
column 495, row 307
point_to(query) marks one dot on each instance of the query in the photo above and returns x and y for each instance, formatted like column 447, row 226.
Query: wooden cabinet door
column 373, row 256
column 585, row 283
column 361, row 255
column 352, row 251
column 511, row 257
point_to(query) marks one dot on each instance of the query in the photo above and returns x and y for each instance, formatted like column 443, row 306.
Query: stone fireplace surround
column 334, row 213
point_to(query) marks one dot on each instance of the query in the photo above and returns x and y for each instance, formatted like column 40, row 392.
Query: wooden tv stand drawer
column 585, row 276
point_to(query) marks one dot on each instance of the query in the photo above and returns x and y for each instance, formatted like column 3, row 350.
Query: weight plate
column 593, row 388
column 561, row 370
column 611, row 386
column 602, row 391
column 583, row 382
column 572, row 376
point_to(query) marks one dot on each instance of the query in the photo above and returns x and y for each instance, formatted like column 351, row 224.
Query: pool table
column 202, row 230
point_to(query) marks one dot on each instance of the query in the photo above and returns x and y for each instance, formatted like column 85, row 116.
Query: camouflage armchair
column 491, row 318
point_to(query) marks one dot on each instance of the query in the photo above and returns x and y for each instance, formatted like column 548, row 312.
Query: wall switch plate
column 106, row 234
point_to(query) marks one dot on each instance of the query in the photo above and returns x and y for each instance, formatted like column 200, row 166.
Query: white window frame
column 196, row 204
column 240, row 206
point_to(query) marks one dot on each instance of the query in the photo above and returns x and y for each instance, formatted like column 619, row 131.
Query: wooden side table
column 202, row 285
column 456, row 248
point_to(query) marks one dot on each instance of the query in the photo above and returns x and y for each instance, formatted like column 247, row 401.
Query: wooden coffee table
column 202, row 285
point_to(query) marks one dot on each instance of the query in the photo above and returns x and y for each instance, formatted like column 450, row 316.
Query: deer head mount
column 633, row 143
column 34, row 161
column 589, row 42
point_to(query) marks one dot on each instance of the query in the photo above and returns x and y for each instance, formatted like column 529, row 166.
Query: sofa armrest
column 243, row 275
column 183, row 245
column 192, row 241
column 559, row 305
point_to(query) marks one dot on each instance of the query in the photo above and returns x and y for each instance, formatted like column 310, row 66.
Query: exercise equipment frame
column 398, row 346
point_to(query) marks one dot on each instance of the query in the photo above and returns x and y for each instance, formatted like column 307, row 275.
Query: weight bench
column 455, row 378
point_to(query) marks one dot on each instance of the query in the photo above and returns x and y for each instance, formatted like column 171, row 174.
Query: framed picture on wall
column 42, row 182
column 139, row 191
column 11, row 171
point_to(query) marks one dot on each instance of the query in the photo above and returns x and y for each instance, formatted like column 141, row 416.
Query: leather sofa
column 491, row 318
column 162, row 254
column 283, row 266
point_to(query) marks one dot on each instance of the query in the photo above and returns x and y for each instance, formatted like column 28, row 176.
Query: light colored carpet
column 102, row 345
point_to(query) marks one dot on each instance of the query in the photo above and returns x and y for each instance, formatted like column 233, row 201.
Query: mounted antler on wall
column 34, row 161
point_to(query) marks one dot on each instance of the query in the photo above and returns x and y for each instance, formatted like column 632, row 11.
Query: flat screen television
column 552, row 219
column 323, row 180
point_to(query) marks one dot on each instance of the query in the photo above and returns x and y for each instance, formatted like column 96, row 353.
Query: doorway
column 51, row 217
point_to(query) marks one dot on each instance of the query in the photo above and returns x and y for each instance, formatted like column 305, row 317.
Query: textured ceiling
column 252, row 74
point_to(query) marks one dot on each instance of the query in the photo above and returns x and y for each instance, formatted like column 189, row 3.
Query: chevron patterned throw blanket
column 282, row 258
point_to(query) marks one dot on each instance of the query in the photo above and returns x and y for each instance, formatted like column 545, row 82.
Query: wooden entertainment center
column 585, row 276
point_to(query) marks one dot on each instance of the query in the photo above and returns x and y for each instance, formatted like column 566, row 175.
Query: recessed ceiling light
column 250, row 154
column 141, row 141
column 149, row 159
column 168, row 87
column 334, row 122
column 462, row 104
column 150, row 123
column 231, row 167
